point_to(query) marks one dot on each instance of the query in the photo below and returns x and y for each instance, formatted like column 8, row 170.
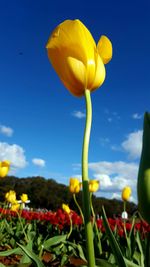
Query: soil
column 14, row 260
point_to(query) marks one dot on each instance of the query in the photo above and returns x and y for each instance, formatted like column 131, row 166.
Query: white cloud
column 6, row 130
column 38, row 162
column 114, row 176
column 133, row 144
column 14, row 153
column 136, row 116
column 79, row 114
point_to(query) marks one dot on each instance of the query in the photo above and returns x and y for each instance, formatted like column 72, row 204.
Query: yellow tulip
column 4, row 168
column 75, row 57
column 66, row 208
column 126, row 193
column 24, row 198
column 93, row 185
column 74, row 185
column 10, row 196
column 15, row 206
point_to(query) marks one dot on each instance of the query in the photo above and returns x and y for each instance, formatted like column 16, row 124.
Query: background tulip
column 126, row 193
column 10, row 196
column 78, row 62
column 66, row 208
column 93, row 185
column 74, row 185
column 4, row 168
column 24, row 198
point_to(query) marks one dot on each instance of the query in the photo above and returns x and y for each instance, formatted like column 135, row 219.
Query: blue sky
column 42, row 124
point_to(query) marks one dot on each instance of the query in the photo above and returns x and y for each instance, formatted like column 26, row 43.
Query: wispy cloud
column 38, row 162
column 111, row 116
column 14, row 153
column 104, row 141
column 133, row 144
column 78, row 114
column 5, row 130
column 137, row 116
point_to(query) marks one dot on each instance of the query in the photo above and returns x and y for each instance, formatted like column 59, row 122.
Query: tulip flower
column 126, row 193
column 75, row 57
column 79, row 64
column 143, row 185
column 93, row 186
column 24, row 198
column 4, row 168
column 10, row 196
column 66, row 208
column 74, row 185
column 15, row 206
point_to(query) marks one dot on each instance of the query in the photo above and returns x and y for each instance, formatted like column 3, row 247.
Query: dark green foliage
column 48, row 194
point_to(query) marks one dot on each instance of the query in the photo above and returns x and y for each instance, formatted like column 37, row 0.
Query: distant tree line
column 48, row 194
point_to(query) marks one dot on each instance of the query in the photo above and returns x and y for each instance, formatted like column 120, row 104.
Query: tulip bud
column 93, row 186
column 24, row 198
column 126, row 193
column 143, row 185
column 66, row 208
column 74, row 185
column 4, row 168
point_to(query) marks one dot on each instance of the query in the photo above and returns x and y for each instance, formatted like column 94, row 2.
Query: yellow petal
column 5, row 163
column 3, row 171
column 104, row 47
column 99, row 75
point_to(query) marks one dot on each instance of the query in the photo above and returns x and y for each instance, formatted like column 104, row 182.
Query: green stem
column 96, row 231
column 124, row 206
column 85, row 183
column 79, row 208
column 20, row 220
column 70, row 227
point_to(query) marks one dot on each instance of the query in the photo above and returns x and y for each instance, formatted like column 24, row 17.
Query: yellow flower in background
column 4, row 168
column 126, row 193
column 15, row 206
column 24, row 198
column 93, row 185
column 74, row 185
column 75, row 57
column 66, row 208
column 10, row 196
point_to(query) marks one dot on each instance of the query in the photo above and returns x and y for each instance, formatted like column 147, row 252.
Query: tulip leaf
column 140, row 249
column 53, row 241
column 32, row 255
column 25, row 258
column 17, row 251
column 104, row 263
column 113, row 243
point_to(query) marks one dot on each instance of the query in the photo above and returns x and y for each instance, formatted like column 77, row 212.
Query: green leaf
column 140, row 248
column 32, row 255
column 113, row 243
column 131, row 264
column 104, row 263
column 17, row 251
column 2, row 265
column 64, row 260
column 26, row 258
column 54, row 241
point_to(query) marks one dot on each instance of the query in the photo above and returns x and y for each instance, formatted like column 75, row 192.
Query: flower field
column 46, row 238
